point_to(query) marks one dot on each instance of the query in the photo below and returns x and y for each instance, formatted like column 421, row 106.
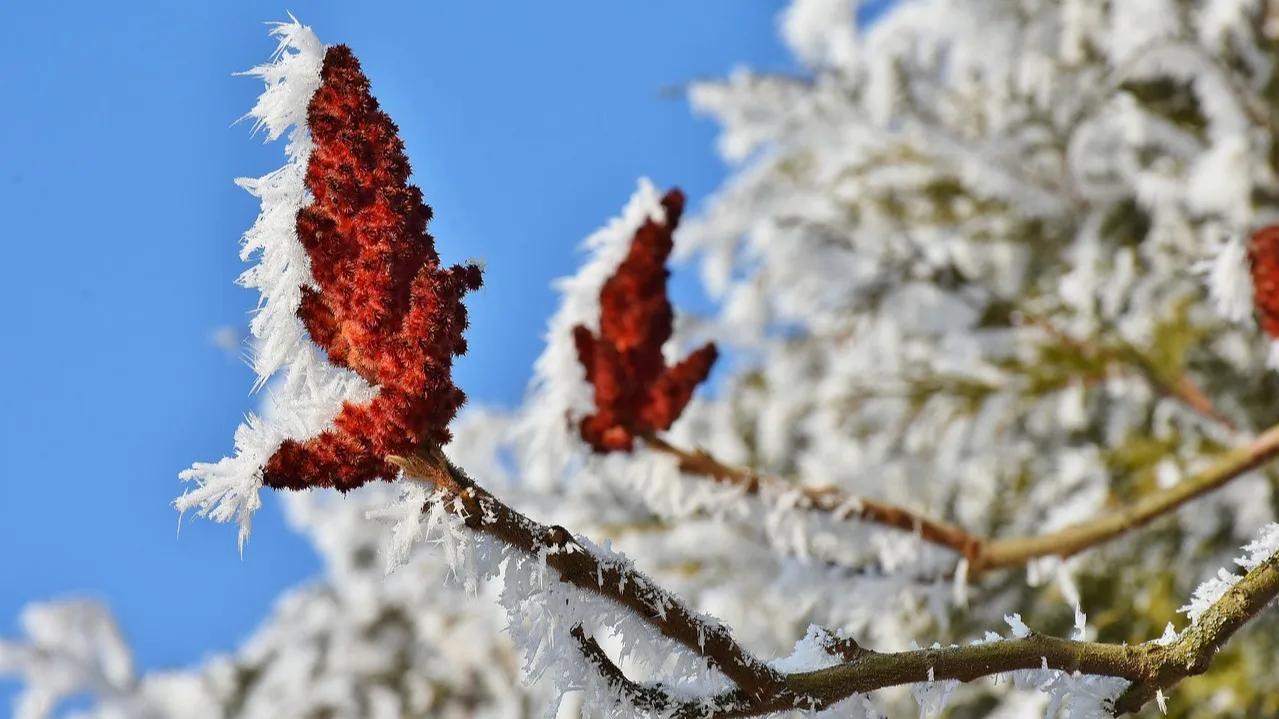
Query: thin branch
column 825, row 499
column 1071, row 540
column 608, row 577
column 655, row 700
column 1184, row 389
column 1193, row 651
column 986, row 554
column 762, row 690
column 1150, row 667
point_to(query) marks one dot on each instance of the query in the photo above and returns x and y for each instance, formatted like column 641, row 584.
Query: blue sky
column 527, row 125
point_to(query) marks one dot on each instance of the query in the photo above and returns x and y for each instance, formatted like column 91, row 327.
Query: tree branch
column 986, row 554
column 1150, row 667
column 1000, row 553
column 610, row 578
column 1193, row 651
column 653, row 698
column 1183, row 389
column 762, row 690
column 823, row 499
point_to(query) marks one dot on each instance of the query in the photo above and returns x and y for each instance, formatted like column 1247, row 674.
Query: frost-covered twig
column 1001, row 553
column 608, row 577
column 1151, row 667
column 1192, row 652
column 825, row 499
column 982, row 553
column 653, row 698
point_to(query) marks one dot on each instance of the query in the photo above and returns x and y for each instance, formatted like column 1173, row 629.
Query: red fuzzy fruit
column 384, row 308
column 1263, row 260
column 635, row 392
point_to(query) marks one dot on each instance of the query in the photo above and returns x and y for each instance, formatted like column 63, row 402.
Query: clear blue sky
column 527, row 125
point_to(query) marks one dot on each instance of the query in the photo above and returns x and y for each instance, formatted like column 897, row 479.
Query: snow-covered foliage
column 984, row 260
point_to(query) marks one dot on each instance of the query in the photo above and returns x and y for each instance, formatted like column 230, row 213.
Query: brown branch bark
column 1193, row 651
column 762, row 690
column 824, row 499
column 1149, row 667
column 607, row 577
column 986, row 554
column 1001, row 553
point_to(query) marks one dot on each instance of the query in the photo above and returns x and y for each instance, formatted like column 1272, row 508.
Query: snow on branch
column 984, row 554
column 1058, row 666
column 607, row 576
column 1220, row 607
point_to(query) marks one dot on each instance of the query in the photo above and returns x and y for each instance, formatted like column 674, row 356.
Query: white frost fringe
column 304, row 401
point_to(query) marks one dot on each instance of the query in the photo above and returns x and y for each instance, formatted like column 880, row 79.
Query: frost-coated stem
column 611, row 578
column 987, row 554
column 1001, row 553
column 824, row 499
column 1151, row 667
column 1192, row 652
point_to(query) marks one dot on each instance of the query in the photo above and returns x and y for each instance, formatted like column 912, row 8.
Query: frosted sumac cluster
column 636, row 394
